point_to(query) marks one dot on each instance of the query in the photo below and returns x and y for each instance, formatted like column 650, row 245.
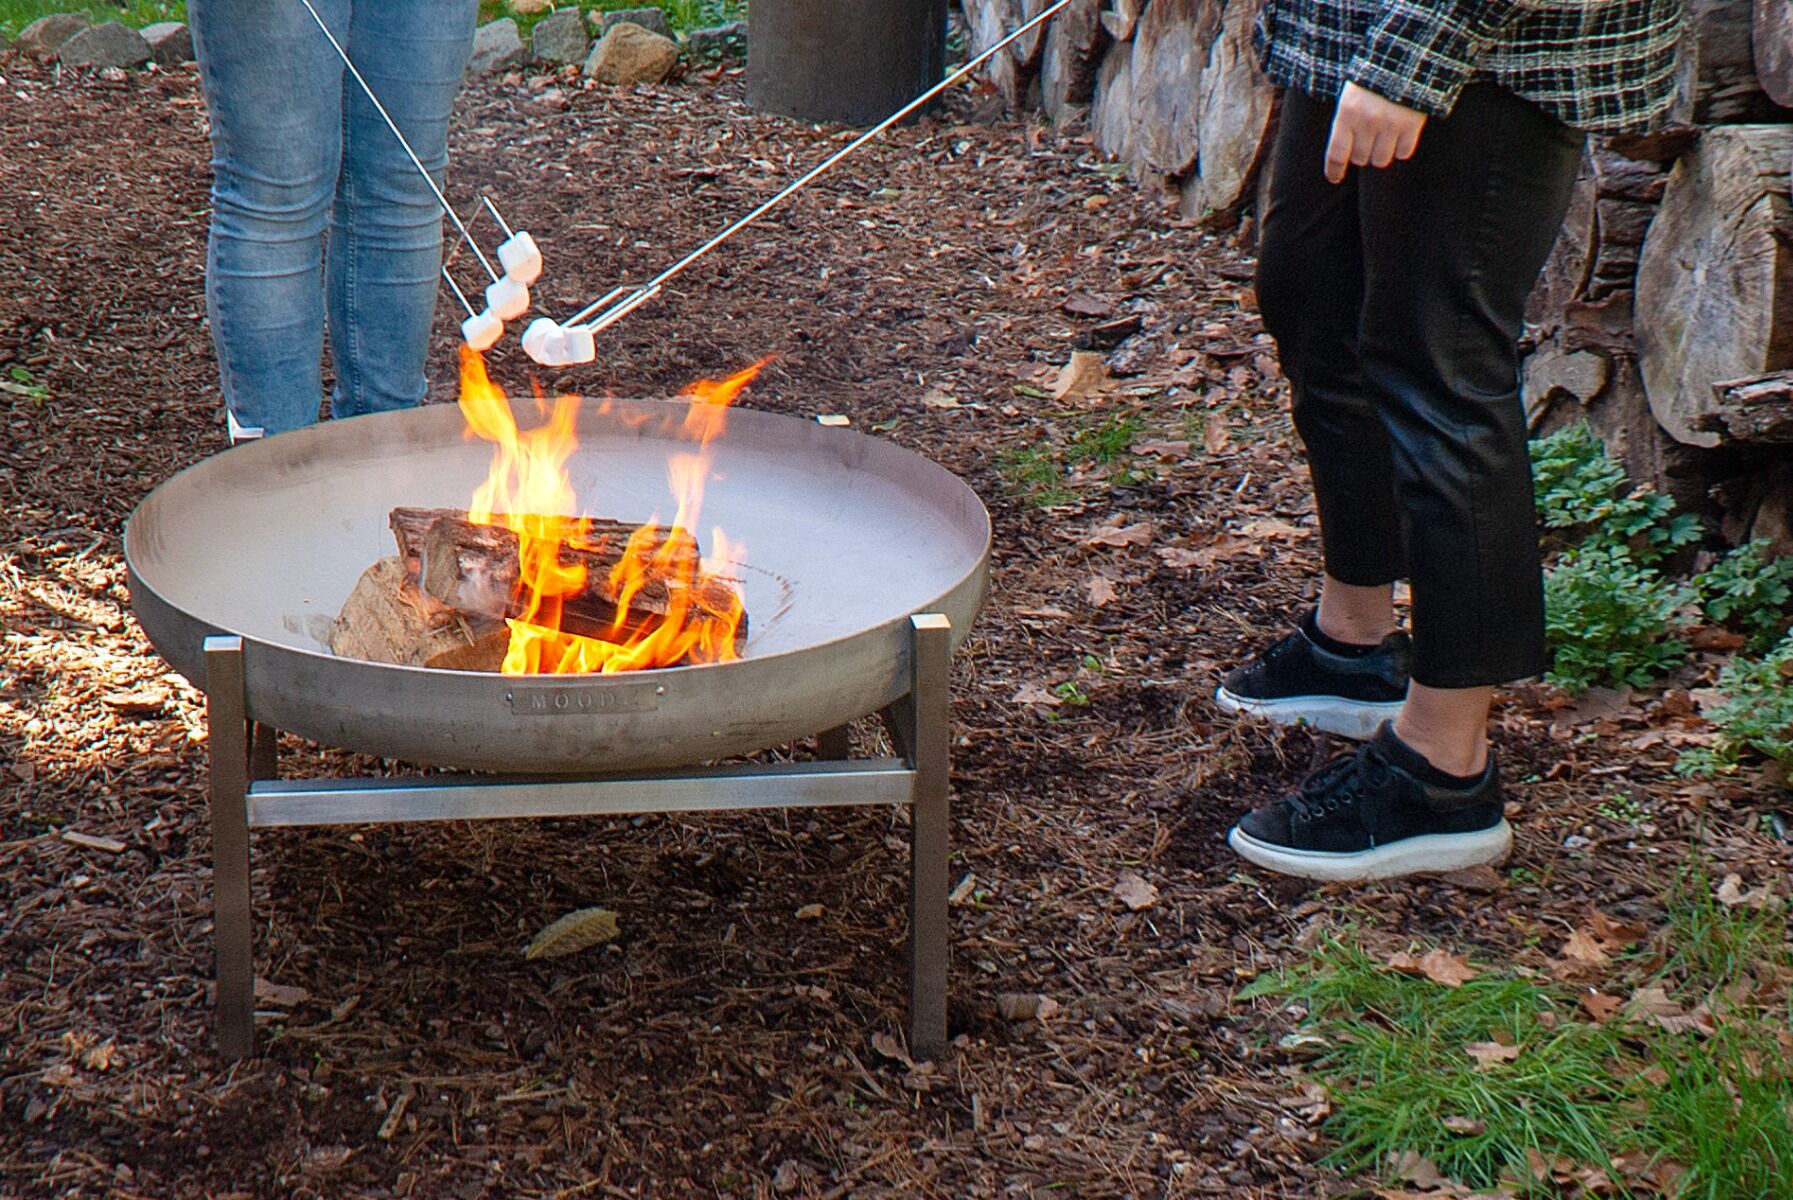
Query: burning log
column 387, row 620
column 443, row 601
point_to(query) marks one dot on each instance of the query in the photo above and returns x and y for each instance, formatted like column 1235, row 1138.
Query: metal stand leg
column 835, row 745
column 264, row 751
column 229, row 748
column 928, row 747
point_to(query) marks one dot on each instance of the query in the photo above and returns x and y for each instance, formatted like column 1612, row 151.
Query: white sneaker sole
column 1432, row 853
column 1355, row 719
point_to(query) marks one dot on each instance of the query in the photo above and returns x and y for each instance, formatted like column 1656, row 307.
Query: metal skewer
column 633, row 300
column 410, row 153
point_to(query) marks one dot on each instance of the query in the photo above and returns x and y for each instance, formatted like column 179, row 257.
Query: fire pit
column 865, row 564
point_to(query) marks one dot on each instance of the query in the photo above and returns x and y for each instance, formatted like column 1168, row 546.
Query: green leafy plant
column 1583, row 490
column 21, row 382
column 1748, row 591
column 1611, row 620
column 1754, row 715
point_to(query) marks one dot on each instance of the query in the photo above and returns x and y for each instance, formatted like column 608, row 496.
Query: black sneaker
column 1299, row 682
column 1365, row 815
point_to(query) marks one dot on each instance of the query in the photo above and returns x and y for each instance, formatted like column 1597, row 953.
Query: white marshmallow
column 507, row 299
column 521, row 258
column 545, row 341
column 581, row 346
column 482, row 332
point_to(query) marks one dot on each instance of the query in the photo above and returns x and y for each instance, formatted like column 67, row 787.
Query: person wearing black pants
column 1422, row 168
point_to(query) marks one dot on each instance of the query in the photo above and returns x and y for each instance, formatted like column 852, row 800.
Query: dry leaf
column 1081, row 304
column 1732, row 895
column 1217, row 437
column 1223, row 548
column 1466, row 1126
column 139, row 702
column 935, row 398
column 1654, row 1005
column 1033, row 693
column 1489, row 1055
column 811, row 912
column 1086, row 375
column 1135, row 892
column 1099, row 590
column 580, row 930
column 1162, row 449
column 1582, row 947
column 99, row 1058
column 1421, row 1172
column 1437, row 965
column 1616, row 935
column 1116, row 534
column 1268, row 528
column 890, row 1048
column 1600, row 1005
column 279, row 995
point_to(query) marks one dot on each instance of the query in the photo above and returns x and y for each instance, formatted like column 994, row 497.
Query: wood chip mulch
column 721, row 1046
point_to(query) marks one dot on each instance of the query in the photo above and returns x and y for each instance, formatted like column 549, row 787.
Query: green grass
column 1049, row 473
column 1700, row 1118
column 16, row 14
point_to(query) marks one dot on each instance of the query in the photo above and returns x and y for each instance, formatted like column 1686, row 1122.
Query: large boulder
column 497, row 46
column 631, row 54
column 108, row 45
column 170, row 41
column 651, row 19
column 560, row 37
column 44, row 37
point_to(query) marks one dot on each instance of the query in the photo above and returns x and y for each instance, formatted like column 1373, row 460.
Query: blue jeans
column 315, row 208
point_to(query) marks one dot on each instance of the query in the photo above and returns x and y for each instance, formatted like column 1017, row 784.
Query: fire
column 697, row 611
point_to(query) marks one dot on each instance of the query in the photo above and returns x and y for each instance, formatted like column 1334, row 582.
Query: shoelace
column 1341, row 783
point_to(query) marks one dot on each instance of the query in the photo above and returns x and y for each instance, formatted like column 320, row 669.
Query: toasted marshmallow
column 507, row 299
column 521, row 258
column 482, row 332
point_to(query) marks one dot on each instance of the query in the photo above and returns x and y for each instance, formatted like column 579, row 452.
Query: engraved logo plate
column 588, row 701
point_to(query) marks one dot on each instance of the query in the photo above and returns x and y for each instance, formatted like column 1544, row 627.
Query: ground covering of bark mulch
column 723, row 1045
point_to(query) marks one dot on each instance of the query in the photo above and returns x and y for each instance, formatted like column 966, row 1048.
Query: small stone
column 651, row 19
column 631, row 54
column 497, row 46
column 560, row 37
column 108, row 45
column 170, row 41
column 717, row 41
column 529, row 8
column 45, row 36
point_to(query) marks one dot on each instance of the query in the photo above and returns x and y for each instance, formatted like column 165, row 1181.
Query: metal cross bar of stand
column 246, row 795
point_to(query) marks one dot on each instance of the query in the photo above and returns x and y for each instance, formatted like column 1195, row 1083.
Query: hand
column 1369, row 131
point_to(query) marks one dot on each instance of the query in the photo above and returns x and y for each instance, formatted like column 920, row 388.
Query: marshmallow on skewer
column 581, row 345
column 507, row 299
column 483, row 331
column 546, row 342
column 521, row 258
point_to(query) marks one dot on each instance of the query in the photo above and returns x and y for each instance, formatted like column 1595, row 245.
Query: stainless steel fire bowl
column 844, row 537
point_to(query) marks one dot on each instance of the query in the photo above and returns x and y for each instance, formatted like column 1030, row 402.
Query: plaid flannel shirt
column 1601, row 65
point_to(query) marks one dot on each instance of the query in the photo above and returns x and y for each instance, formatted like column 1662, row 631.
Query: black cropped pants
column 1396, row 299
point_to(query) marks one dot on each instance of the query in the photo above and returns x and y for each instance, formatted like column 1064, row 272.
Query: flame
column 695, row 610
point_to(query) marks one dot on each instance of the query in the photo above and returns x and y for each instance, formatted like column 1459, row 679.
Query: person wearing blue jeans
column 318, row 216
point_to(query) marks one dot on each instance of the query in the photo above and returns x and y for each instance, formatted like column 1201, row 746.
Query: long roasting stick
column 633, row 300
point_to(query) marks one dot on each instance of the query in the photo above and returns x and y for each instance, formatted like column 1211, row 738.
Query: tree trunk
column 1170, row 52
column 1075, row 40
column 1772, row 44
column 1715, row 282
column 1236, row 113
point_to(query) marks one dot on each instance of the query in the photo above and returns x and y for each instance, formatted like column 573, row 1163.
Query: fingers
column 1382, row 152
column 1407, row 142
column 1339, row 150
